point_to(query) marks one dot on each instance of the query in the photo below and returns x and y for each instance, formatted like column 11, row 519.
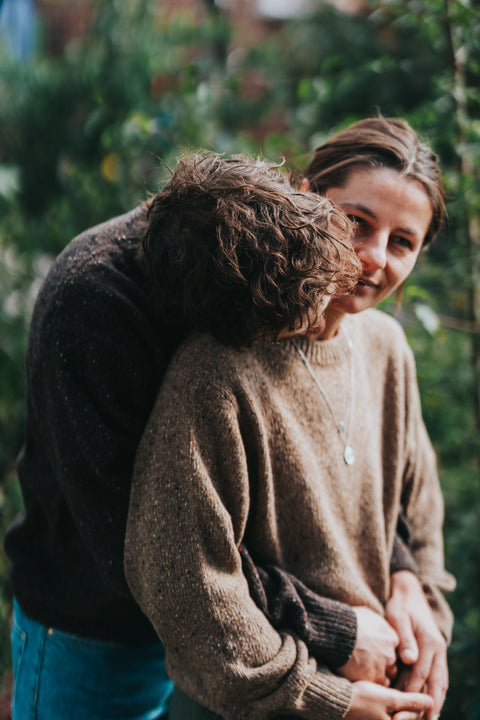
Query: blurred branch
column 471, row 10
column 459, row 324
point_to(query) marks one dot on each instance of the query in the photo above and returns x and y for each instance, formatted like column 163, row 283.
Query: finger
column 420, row 673
column 406, row 715
column 437, row 684
column 413, row 702
column 402, row 678
column 382, row 680
column 391, row 672
column 407, row 646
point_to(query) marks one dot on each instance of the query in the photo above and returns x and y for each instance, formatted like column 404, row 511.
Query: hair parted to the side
column 234, row 250
column 379, row 142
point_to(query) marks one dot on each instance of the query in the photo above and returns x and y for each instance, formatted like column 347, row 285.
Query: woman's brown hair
column 234, row 250
column 379, row 142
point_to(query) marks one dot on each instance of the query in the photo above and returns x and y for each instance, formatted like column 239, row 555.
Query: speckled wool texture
column 94, row 364
column 240, row 446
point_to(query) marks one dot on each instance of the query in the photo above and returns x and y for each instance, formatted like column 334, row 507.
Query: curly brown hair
column 234, row 250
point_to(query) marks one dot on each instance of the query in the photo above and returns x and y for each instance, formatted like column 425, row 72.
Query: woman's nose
column 372, row 252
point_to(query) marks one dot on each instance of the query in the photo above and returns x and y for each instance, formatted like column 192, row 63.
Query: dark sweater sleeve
column 328, row 627
column 402, row 558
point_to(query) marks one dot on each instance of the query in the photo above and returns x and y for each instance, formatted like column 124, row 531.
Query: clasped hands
column 399, row 663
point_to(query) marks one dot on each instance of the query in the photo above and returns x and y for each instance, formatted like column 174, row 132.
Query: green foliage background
column 82, row 136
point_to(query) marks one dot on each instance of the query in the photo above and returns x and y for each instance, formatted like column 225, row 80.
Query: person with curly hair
column 304, row 450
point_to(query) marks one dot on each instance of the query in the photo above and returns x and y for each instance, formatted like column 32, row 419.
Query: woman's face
column 392, row 216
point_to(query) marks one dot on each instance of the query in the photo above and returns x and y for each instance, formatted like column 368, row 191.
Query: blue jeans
column 58, row 676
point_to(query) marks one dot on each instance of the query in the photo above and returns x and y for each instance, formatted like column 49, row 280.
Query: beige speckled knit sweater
column 241, row 445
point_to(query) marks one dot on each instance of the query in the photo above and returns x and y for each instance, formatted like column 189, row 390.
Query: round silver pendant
column 349, row 455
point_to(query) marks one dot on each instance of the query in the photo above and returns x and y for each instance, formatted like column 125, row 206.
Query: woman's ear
column 305, row 185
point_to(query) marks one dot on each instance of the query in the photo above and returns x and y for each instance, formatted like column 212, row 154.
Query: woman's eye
column 402, row 241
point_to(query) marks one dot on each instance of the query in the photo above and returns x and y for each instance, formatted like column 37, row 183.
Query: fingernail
column 410, row 655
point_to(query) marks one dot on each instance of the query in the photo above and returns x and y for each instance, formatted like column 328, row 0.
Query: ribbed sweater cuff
column 332, row 631
column 327, row 697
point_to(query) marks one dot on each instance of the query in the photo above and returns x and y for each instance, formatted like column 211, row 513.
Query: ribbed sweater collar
column 326, row 352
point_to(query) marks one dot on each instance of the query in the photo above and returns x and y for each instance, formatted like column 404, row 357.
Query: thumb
column 407, row 646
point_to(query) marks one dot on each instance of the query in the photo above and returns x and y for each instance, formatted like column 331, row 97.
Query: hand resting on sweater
column 422, row 648
column 357, row 642
column 374, row 655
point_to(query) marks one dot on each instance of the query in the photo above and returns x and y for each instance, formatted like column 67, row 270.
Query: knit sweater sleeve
column 402, row 558
column 328, row 627
column 188, row 512
column 423, row 504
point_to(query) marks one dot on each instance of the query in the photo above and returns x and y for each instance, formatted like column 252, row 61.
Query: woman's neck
column 333, row 318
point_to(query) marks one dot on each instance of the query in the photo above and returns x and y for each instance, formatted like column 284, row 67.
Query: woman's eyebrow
column 358, row 206
column 407, row 231
column 366, row 211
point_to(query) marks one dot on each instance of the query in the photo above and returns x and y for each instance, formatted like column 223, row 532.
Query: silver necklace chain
column 348, row 452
